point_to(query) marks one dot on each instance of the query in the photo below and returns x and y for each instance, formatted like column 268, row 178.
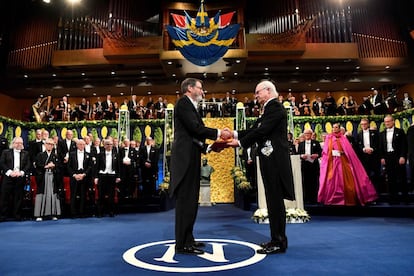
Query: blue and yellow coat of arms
column 203, row 40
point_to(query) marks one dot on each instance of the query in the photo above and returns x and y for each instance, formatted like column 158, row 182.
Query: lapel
column 194, row 109
column 371, row 138
column 47, row 158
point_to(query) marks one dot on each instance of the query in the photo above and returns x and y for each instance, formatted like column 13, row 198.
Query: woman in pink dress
column 343, row 180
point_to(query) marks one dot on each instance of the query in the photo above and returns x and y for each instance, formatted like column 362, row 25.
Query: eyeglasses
column 257, row 92
column 199, row 87
column 108, row 144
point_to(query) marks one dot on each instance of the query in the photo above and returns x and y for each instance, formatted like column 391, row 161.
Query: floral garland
column 240, row 179
column 293, row 215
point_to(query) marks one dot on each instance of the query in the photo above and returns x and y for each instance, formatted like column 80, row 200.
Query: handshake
column 224, row 141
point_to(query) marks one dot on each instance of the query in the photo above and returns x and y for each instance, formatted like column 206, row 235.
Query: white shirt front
column 108, row 163
column 365, row 134
column 81, row 155
column 390, row 134
column 16, row 161
column 308, row 147
column 88, row 148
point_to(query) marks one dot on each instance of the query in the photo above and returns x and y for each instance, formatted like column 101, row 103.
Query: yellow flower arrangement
column 163, row 187
column 240, row 179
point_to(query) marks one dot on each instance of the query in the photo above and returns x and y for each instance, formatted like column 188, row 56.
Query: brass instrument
column 36, row 109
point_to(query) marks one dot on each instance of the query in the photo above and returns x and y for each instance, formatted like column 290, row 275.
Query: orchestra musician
column 108, row 108
column 97, row 110
column 133, row 107
column 39, row 113
column 160, row 108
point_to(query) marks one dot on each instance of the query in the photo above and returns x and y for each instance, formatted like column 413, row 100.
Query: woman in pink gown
column 343, row 180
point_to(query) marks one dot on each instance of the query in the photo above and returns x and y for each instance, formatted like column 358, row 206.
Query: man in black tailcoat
column 367, row 142
column 393, row 152
column 129, row 168
column 148, row 156
column 79, row 169
column 15, row 164
column 189, row 136
column 310, row 150
column 107, row 176
column 270, row 133
column 66, row 146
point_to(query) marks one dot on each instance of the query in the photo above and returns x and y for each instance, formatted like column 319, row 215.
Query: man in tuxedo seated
column 15, row 164
column 149, row 166
column 310, row 151
column 79, row 169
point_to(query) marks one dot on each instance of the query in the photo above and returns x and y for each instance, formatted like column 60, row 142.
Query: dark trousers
column 372, row 166
column 78, row 194
column 310, row 181
column 397, row 179
column 12, row 188
column 129, row 180
column 186, row 207
column 275, row 204
column 148, row 182
column 106, row 192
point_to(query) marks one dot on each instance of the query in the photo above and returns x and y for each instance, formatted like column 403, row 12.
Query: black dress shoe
column 271, row 250
column 199, row 244
column 283, row 244
column 189, row 250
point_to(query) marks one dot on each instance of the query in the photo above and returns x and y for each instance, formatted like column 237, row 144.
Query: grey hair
column 271, row 86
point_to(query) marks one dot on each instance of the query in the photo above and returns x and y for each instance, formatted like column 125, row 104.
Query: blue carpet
column 326, row 245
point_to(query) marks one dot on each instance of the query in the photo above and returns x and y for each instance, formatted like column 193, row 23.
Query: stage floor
column 142, row 244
